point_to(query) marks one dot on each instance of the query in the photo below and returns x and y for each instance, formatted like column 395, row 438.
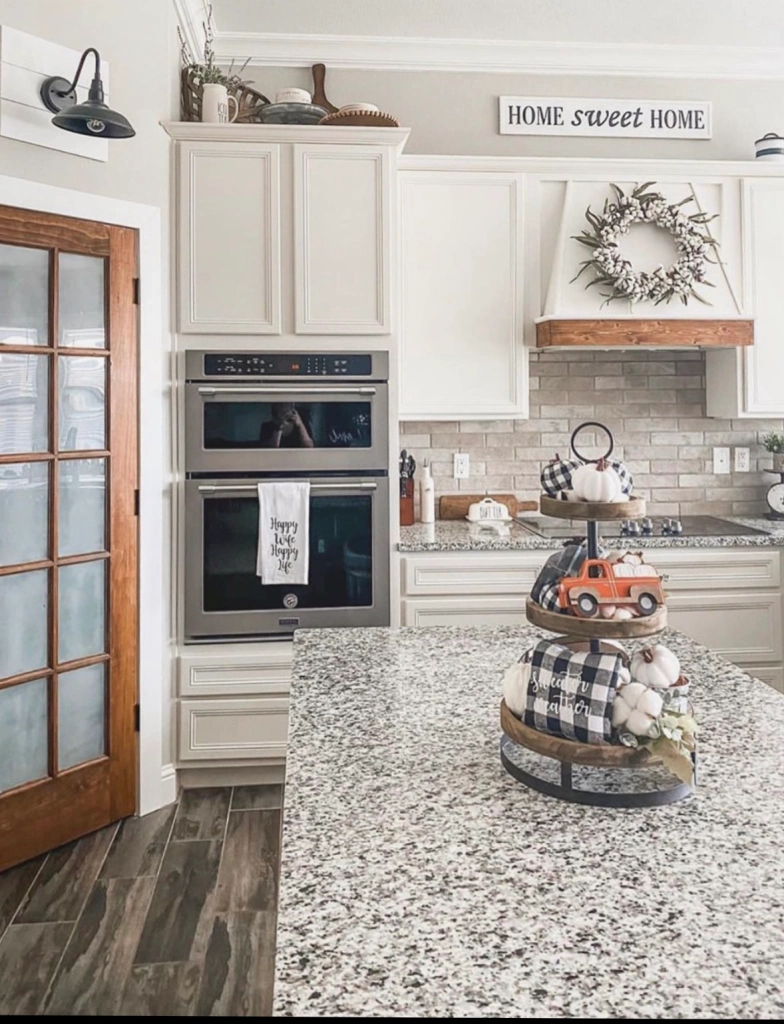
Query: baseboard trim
column 169, row 784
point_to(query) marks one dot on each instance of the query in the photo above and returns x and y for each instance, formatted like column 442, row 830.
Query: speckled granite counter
column 462, row 536
column 418, row 879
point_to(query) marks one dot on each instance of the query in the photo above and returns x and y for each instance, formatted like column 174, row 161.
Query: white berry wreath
column 618, row 276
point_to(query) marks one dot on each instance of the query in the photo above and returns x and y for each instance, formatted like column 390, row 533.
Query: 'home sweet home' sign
column 643, row 119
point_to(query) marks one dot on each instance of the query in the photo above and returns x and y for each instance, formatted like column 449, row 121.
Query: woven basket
column 249, row 102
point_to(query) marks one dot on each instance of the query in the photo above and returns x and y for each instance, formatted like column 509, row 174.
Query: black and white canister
column 770, row 147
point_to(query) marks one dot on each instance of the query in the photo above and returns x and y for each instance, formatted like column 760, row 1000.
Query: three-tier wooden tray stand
column 662, row 787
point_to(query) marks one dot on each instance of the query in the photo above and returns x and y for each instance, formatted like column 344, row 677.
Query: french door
column 68, row 532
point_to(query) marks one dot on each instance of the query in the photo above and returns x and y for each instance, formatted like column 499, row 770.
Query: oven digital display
column 282, row 364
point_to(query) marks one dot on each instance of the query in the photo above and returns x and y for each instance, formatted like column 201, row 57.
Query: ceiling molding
column 634, row 60
column 190, row 16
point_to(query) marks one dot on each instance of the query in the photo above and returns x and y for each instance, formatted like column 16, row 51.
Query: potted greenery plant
column 774, row 443
column 199, row 75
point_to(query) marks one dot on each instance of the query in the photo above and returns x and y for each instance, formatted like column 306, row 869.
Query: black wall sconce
column 92, row 117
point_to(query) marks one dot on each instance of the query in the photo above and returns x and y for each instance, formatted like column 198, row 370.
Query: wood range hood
column 634, row 332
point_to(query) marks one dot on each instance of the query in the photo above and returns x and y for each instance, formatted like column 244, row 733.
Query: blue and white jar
column 770, row 147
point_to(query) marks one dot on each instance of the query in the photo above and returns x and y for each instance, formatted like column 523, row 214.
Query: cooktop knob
column 634, row 528
column 676, row 526
column 666, row 526
column 647, row 526
column 624, row 527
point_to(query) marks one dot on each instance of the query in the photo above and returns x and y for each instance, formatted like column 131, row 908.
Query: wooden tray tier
column 596, row 629
column 599, row 511
column 596, row 755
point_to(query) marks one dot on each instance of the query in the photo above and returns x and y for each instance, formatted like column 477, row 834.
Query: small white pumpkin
column 607, row 611
column 597, row 481
column 636, row 707
column 623, row 614
column 656, row 666
column 516, row 687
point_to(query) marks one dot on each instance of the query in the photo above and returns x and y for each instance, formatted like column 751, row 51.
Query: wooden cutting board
column 455, row 506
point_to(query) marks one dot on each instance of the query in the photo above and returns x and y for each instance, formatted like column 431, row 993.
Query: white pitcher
column 215, row 103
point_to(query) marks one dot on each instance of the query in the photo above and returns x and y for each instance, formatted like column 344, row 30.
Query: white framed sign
column 642, row 119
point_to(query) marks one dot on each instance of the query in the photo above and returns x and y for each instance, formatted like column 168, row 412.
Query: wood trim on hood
column 628, row 333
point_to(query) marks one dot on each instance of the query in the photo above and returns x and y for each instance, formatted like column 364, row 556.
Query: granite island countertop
column 418, row 879
column 458, row 535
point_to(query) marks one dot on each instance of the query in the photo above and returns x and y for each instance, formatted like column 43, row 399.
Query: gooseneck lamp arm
column 96, row 86
column 93, row 117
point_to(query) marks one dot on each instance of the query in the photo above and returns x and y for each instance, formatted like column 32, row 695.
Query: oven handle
column 360, row 486
column 209, row 392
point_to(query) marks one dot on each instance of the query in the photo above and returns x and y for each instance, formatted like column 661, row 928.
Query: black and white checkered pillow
column 556, row 476
column 571, row 693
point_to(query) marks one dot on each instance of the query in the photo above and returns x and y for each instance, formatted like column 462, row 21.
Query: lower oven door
column 349, row 560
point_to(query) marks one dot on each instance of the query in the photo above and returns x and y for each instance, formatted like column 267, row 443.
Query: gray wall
column 457, row 113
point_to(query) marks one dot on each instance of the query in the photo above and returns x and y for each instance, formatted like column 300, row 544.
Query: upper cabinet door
column 763, row 209
column 229, row 277
column 462, row 353
column 342, row 240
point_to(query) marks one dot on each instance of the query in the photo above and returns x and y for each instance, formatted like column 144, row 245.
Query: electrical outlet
column 742, row 460
column 462, row 466
column 721, row 460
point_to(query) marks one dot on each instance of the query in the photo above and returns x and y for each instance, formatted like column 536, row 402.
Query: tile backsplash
column 654, row 402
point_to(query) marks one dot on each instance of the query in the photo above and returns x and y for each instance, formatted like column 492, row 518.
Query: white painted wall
column 457, row 113
column 139, row 40
column 708, row 22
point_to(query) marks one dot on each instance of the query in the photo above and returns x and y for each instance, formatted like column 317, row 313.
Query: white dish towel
column 284, row 526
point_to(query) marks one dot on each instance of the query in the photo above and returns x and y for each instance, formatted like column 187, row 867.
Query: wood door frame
column 157, row 784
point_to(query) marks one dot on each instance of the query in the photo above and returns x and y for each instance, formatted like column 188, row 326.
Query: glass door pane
column 82, row 301
column 24, row 296
column 23, row 734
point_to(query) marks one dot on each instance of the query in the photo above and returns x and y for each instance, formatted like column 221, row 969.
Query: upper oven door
column 253, row 428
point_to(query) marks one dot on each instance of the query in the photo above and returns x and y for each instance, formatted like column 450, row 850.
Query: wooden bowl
column 361, row 119
column 596, row 629
column 596, row 755
column 600, row 511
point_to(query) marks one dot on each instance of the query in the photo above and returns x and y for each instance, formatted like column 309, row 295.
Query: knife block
column 407, row 501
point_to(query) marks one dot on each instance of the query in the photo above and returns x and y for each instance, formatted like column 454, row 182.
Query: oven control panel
column 285, row 364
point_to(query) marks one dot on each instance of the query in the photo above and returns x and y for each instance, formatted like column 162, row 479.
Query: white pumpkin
column 623, row 614
column 636, row 707
column 656, row 666
column 607, row 611
column 597, row 481
column 516, row 687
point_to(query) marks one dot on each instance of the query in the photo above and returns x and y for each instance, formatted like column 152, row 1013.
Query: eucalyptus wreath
column 618, row 276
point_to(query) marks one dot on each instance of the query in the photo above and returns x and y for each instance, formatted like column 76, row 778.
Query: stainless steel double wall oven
column 252, row 417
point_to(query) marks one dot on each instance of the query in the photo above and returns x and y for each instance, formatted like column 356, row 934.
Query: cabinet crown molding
column 302, row 134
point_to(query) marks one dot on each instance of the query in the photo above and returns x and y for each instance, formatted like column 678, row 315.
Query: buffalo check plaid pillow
column 571, row 693
column 556, row 476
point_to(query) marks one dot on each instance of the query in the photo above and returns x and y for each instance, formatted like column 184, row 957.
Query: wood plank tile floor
column 168, row 915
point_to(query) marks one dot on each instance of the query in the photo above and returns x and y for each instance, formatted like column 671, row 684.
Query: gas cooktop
column 657, row 526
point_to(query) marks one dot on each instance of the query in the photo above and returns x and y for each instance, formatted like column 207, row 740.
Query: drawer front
column 497, row 611
column 703, row 570
column 224, row 730
column 744, row 626
column 504, row 573
column 224, row 673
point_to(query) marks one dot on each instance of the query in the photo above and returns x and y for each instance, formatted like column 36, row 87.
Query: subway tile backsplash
column 654, row 402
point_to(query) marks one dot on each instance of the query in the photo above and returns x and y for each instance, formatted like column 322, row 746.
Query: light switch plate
column 721, row 460
column 742, row 460
column 462, row 466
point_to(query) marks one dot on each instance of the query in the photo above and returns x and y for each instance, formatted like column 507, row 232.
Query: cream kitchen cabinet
column 285, row 229
column 229, row 238
column 342, row 239
column 747, row 382
column 729, row 599
column 233, row 704
column 461, row 295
